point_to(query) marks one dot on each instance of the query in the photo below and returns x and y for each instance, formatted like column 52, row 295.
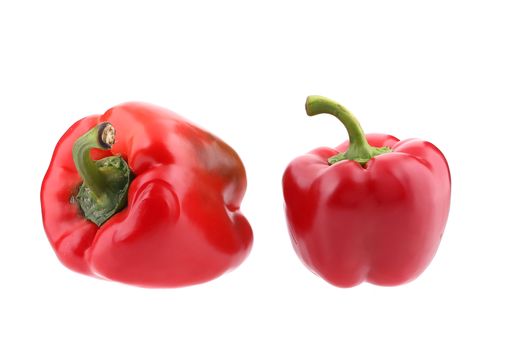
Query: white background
column 432, row 69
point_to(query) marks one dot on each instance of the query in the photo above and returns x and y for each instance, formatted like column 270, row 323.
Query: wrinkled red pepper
column 156, row 207
column 373, row 209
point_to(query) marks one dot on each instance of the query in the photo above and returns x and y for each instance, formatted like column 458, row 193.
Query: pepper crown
column 359, row 149
column 104, row 190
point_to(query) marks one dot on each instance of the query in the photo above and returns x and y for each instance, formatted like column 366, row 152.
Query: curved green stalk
column 359, row 149
column 105, row 182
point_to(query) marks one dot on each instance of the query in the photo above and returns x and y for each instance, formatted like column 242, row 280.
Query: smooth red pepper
column 373, row 209
column 159, row 206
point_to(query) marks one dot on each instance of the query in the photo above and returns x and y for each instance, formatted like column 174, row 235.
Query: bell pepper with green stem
column 141, row 196
column 373, row 209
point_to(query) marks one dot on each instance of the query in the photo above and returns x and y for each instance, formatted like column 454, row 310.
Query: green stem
column 102, row 137
column 105, row 185
column 359, row 149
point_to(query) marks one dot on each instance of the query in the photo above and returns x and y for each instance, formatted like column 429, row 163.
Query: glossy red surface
column 182, row 224
column 381, row 223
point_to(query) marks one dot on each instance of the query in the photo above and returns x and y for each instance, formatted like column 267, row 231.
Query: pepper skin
column 373, row 209
column 181, row 224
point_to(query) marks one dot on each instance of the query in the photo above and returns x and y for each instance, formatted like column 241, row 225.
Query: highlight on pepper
column 372, row 209
column 141, row 196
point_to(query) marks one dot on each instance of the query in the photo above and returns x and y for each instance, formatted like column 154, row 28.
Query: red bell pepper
column 373, row 209
column 158, row 207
